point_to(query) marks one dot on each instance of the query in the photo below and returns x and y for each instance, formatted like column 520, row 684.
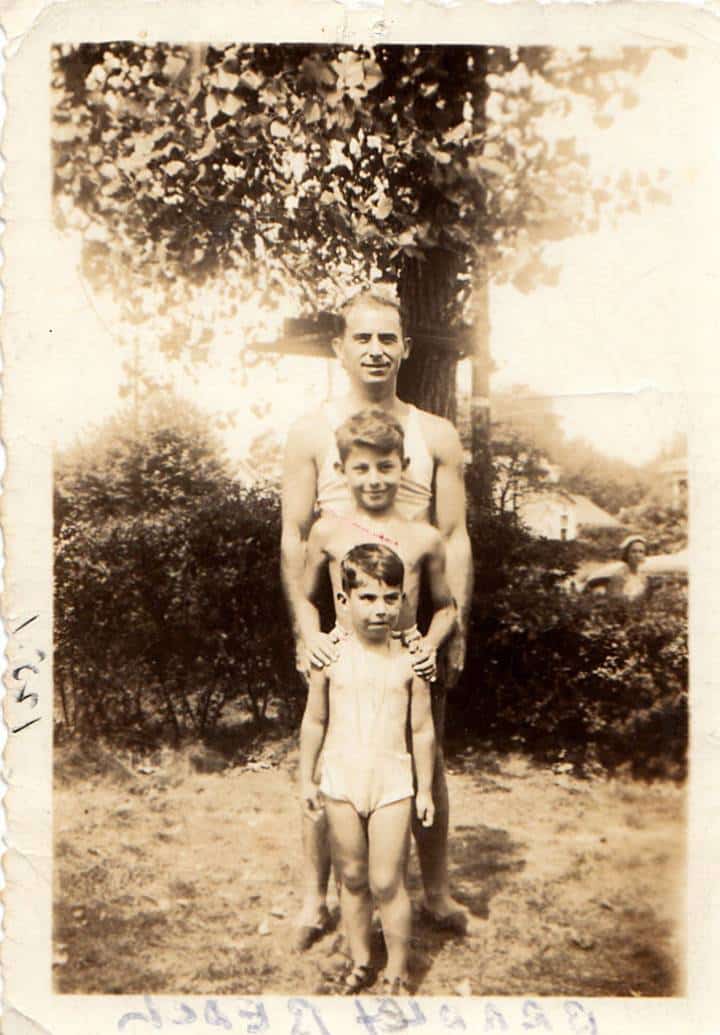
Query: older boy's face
column 372, row 347
column 374, row 608
column 373, row 477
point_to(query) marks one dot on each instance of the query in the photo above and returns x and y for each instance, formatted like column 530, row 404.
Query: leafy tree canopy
column 298, row 171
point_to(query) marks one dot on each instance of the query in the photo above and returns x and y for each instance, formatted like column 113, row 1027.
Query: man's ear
column 405, row 462
column 337, row 347
column 339, row 466
column 407, row 346
column 341, row 598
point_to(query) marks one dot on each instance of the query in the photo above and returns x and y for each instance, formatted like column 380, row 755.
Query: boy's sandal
column 394, row 986
column 360, row 977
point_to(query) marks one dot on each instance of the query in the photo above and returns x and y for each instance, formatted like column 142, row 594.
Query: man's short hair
column 372, row 559
column 380, row 294
column 374, row 428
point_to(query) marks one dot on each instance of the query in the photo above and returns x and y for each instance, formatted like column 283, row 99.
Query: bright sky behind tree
column 608, row 343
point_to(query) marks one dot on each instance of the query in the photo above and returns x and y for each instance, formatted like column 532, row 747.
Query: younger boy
column 371, row 457
column 357, row 713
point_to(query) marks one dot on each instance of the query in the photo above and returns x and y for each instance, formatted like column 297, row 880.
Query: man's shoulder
column 308, row 431
column 440, row 434
column 325, row 529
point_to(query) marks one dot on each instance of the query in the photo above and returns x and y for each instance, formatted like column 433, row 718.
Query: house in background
column 672, row 482
column 556, row 514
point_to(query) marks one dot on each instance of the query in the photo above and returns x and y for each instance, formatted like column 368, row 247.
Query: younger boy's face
column 373, row 477
column 374, row 608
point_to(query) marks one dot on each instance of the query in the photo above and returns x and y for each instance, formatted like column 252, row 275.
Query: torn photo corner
column 360, row 410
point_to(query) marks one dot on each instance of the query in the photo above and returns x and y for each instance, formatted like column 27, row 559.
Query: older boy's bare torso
column 413, row 541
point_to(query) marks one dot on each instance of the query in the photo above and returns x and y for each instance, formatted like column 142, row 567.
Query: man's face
column 372, row 347
column 374, row 608
column 373, row 477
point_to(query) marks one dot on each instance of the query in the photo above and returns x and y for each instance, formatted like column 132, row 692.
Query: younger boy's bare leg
column 350, row 847
column 432, row 842
column 389, row 835
column 314, row 919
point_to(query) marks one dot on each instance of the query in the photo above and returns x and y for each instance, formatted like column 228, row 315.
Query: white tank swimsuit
column 415, row 493
column 365, row 759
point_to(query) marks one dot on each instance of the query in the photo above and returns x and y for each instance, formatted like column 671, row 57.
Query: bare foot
column 445, row 914
column 314, row 921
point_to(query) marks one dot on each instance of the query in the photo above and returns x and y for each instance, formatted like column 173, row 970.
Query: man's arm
column 451, row 521
column 312, row 735
column 423, row 748
column 319, row 647
column 444, row 608
column 299, row 492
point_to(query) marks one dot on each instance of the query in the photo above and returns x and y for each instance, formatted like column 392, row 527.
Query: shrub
column 168, row 602
column 587, row 679
column 169, row 608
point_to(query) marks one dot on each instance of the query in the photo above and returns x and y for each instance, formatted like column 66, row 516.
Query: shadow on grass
column 482, row 862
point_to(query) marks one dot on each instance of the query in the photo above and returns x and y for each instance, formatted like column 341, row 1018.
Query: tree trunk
column 428, row 291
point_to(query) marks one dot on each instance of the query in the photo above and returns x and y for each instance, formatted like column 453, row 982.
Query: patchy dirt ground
column 171, row 880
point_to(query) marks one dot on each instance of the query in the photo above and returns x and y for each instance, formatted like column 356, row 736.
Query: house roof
column 589, row 513
column 678, row 465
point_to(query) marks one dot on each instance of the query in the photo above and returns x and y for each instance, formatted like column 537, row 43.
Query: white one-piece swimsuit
column 365, row 760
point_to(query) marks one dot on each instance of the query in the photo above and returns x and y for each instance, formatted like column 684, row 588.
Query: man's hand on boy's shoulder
column 320, row 650
column 424, row 658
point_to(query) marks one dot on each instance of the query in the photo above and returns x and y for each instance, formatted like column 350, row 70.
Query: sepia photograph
column 370, row 510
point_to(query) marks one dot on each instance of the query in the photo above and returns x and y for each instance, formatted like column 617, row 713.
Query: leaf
column 311, row 111
column 174, row 66
column 208, row 147
column 226, row 80
column 456, row 134
column 279, row 130
column 337, row 156
column 442, row 157
column 64, row 132
column 251, row 79
column 349, row 68
column 482, row 163
column 383, row 208
column 231, row 104
column 211, row 107
column 373, row 74
column 317, row 71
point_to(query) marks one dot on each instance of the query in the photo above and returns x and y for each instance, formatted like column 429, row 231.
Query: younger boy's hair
column 374, row 428
column 375, row 560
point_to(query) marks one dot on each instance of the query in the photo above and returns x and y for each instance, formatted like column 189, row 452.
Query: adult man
column 371, row 348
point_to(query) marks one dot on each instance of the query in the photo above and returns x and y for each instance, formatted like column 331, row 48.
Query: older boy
column 370, row 448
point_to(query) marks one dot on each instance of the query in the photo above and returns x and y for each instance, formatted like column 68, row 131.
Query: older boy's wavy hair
column 374, row 428
column 372, row 559
column 379, row 294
